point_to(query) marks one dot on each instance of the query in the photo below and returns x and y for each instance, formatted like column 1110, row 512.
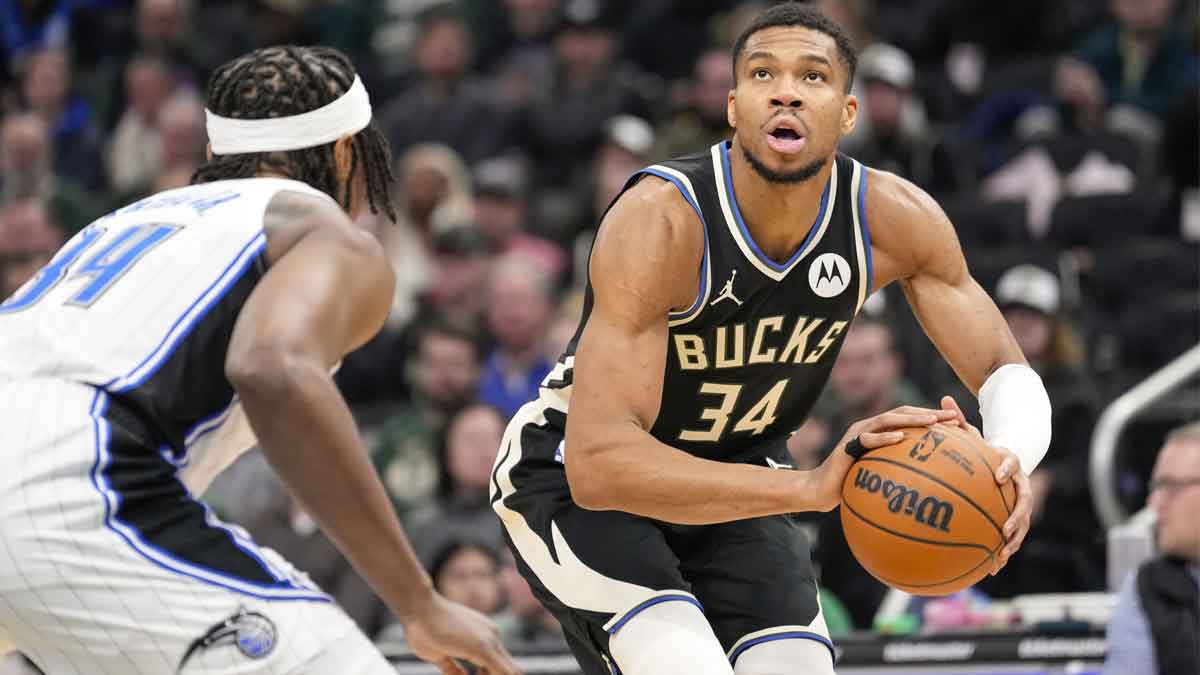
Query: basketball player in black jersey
column 645, row 491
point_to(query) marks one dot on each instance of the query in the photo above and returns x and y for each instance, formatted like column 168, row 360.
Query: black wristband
column 854, row 448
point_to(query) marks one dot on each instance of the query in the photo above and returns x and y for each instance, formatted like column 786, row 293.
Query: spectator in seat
column 1064, row 550
column 27, row 170
column 703, row 119
column 460, row 508
column 468, row 572
column 445, row 104
column 1143, row 59
column 1155, row 627
column 519, row 306
column 47, row 89
column 444, row 374
column 28, row 239
column 892, row 132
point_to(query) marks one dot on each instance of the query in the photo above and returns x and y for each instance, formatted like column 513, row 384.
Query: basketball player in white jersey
column 165, row 339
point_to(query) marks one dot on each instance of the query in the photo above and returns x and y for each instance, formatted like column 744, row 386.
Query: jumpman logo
column 727, row 291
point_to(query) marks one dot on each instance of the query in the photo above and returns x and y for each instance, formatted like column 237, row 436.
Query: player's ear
column 731, row 109
column 849, row 114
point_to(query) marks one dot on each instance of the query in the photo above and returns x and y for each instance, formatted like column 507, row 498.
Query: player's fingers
column 449, row 667
column 497, row 661
column 940, row 413
column 1017, row 525
column 878, row 439
column 950, row 405
column 1007, row 468
column 897, row 420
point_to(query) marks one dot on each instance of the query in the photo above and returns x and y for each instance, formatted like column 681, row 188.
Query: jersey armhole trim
column 862, row 235
column 684, row 185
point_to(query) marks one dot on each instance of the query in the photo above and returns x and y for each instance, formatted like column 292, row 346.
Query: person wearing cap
column 893, row 132
column 162, row 342
column 1065, row 547
column 502, row 213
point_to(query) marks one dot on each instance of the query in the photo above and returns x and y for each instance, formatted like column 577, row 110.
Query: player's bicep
column 644, row 264
column 955, row 311
column 323, row 298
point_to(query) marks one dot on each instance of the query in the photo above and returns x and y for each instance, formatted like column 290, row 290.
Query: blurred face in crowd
column 445, row 49
column 147, row 86
column 1143, row 17
column 424, row 187
column 446, row 370
column 790, row 108
column 24, row 151
column 532, row 18
column 182, row 126
column 1175, row 497
column 472, row 440
column 470, row 577
column 161, row 23
column 28, row 239
column 499, row 216
column 518, row 306
column 47, row 80
column 884, row 103
column 713, row 81
column 586, row 53
column 612, row 166
column 1032, row 329
column 867, row 369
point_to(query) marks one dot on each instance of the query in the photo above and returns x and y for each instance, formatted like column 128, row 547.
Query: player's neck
column 778, row 215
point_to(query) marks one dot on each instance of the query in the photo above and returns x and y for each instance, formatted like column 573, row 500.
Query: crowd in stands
column 1059, row 135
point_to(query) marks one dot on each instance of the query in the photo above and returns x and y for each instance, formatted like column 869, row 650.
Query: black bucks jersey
column 747, row 361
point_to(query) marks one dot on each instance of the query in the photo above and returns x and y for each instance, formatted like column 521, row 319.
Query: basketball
column 925, row 515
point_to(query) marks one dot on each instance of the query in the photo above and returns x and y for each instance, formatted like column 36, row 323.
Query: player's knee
column 785, row 657
column 669, row 637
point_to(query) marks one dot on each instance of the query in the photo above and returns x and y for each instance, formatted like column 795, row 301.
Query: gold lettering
column 799, row 340
column 773, row 324
column 739, row 347
column 826, row 342
column 690, row 349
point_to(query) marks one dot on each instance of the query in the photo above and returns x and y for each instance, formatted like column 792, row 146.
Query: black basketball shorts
column 596, row 570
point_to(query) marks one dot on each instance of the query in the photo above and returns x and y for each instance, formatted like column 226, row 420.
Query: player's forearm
column 638, row 474
column 308, row 434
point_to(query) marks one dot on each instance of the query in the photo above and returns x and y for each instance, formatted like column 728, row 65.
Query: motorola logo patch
column 829, row 275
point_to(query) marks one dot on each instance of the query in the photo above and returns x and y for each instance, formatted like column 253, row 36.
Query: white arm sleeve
column 1016, row 413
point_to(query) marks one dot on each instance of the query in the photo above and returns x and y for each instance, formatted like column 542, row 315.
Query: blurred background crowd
column 1059, row 135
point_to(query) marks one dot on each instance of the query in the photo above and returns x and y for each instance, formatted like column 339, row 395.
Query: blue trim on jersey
column 191, row 316
column 101, row 433
column 704, row 261
column 862, row 221
column 737, row 215
column 790, row 635
column 657, row 600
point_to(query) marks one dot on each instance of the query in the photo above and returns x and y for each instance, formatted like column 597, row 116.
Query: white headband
column 346, row 116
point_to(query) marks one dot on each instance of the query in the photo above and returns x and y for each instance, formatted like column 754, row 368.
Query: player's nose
column 787, row 95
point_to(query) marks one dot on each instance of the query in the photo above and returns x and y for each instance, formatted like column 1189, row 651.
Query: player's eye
column 761, row 74
column 814, row 76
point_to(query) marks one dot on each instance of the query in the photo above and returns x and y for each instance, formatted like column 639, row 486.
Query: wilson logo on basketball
column 929, row 511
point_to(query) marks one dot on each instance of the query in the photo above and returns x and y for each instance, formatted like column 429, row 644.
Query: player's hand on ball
column 873, row 432
column 1017, row 525
column 446, row 630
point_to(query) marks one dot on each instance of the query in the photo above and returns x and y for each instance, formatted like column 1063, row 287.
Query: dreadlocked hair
column 288, row 80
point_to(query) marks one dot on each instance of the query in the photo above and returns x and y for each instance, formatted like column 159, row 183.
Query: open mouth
column 786, row 140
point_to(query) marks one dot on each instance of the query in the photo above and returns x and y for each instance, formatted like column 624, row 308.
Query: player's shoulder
column 653, row 213
column 891, row 198
column 652, row 240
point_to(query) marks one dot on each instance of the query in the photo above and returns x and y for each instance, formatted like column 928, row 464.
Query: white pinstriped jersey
column 141, row 304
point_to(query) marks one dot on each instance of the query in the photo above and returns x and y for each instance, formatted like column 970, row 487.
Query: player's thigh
column 756, row 582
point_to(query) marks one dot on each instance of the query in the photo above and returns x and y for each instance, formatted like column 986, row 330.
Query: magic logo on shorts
column 926, row 510
column 251, row 632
